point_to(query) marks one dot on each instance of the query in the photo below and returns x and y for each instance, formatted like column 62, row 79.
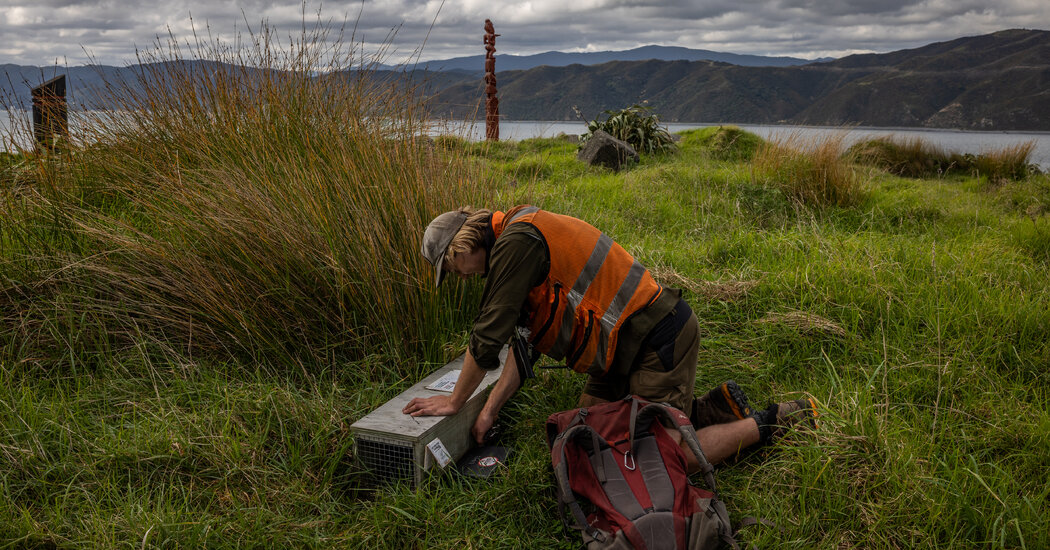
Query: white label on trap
column 437, row 448
column 445, row 383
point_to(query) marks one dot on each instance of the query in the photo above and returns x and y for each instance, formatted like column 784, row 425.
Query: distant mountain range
column 476, row 63
column 999, row 81
column 87, row 86
column 17, row 80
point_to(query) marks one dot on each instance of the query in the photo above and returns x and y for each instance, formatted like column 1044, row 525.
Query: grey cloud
column 111, row 29
column 847, row 7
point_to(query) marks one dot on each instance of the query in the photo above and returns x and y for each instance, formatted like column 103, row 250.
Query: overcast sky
column 70, row 32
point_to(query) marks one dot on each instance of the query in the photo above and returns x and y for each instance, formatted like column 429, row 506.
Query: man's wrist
column 460, row 398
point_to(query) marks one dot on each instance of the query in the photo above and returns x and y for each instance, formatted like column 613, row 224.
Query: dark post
column 50, row 115
column 491, row 102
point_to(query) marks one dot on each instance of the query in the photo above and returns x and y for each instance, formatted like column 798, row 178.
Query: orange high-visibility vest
column 593, row 286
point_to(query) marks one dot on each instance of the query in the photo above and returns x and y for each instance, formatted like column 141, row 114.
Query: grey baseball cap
column 437, row 237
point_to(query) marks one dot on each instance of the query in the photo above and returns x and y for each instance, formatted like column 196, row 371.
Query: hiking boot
column 780, row 418
column 725, row 403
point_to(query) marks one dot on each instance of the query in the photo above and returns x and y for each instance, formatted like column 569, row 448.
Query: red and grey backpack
column 620, row 460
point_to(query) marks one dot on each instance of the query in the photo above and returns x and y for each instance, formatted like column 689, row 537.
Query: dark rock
column 605, row 150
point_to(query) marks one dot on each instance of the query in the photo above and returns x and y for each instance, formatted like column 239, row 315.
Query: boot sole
column 736, row 399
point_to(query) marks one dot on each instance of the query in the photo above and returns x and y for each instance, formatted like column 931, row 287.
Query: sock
column 765, row 419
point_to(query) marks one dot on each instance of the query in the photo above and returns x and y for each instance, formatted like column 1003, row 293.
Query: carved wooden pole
column 50, row 115
column 491, row 102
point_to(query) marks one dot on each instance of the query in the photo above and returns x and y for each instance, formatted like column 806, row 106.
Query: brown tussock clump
column 812, row 171
column 723, row 291
column 805, row 323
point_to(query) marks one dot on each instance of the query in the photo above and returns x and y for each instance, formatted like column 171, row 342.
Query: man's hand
column 438, row 405
column 443, row 405
column 482, row 426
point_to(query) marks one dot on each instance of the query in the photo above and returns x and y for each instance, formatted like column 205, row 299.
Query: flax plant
column 262, row 201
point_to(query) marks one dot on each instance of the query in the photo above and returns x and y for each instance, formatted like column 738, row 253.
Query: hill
column 17, row 80
column 84, row 82
column 475, row 63
column 999, row 81
column 89, row 86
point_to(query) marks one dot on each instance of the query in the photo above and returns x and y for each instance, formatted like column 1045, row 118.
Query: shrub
column 636, row 126
column 811, row 172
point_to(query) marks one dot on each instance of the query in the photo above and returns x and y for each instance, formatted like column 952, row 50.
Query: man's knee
column 588, row 400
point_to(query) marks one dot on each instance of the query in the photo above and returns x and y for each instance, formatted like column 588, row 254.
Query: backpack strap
column 612, row 483
column 649, row 458
column 654, row 472
column 644, row 419
column 566, row 500
column 654, row 411
column 557, row 424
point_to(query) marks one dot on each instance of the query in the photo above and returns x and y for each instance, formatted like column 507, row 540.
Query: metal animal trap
column 393, row 445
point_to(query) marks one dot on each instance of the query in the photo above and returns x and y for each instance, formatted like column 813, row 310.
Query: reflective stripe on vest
column 576, row 313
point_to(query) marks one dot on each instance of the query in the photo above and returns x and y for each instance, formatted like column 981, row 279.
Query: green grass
column 176, row 370
column 728, row 143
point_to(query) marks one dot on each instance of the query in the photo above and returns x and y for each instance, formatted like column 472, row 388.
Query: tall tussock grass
column 263, row 201
column 917, row 158
column 1011, row 163
column 810, row 171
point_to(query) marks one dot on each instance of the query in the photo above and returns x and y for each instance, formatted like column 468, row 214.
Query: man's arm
column 442, row 405
column 517, row 263
column 469, row 378
column 508, row 383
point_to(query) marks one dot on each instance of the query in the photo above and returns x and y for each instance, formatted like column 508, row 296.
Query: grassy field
column 195, row 307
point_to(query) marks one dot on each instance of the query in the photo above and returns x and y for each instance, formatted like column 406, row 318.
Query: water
column 16, row 127
column 948, row 140
column 8, row 126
